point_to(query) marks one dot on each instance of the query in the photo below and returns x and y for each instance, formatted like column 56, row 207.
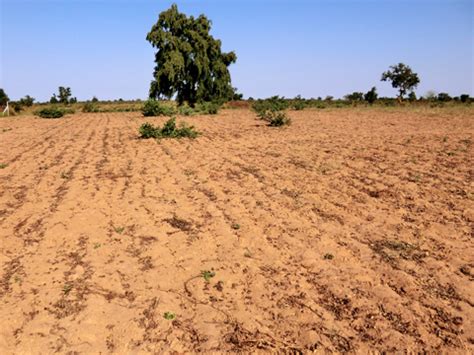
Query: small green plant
column 169, row 130
column 50, row 112
column 3, row 165
column 236, row 226
column 328, row 256
column 67, row 288
column 207, row 275
column 97, row 245
column 65, row 175
column 169, row 315
column 119, row 230
column 154, row 107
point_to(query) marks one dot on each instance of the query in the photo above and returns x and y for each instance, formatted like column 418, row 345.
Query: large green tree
column 189, row 61
column 402, row 78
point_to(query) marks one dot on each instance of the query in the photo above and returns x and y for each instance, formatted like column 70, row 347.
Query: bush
column 278, row 119
column 299, row 105
column 147, row 130
column 154, row 107
column 185, row 110
column 90, row 107
column 169, row 130
column 51, row 112
column 209, row 108
column 273, row 104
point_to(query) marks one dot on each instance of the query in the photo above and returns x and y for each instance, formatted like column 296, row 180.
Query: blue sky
column 286, row 47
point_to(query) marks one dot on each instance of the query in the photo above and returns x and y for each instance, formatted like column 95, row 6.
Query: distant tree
column 329, row 98
column 431, row 95
column 412, row 96
column 64, row 94
column 53, row 99
column 355, row 96
column 237, row 96
column 464, row 98
column 27, row 101
column 3, row 98
column 73, row 100
column 95, row 99
column 444, row 97
column 402, row 78
column 189, row 61
column 371, row 95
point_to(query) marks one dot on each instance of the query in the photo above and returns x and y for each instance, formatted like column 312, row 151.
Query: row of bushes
column 158, row 108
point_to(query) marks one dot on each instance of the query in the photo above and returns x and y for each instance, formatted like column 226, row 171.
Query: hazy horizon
column 288, row 48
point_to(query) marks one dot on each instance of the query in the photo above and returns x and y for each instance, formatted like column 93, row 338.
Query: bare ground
column 350, row 230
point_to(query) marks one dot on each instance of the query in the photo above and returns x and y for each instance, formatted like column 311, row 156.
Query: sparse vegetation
column 3, row 165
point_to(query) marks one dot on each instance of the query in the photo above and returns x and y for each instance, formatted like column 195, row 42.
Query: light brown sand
column 350, row 230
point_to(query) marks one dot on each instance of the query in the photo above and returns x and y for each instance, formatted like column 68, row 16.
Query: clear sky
column 286, row 47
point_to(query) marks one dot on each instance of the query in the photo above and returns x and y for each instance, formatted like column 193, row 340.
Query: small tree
column 371, row 95
column 444, row 97
column 27, row 101
column 355, row 96
column 3, row 98
column 64, row 94
column 402, row 78
column 464, row 98
column 189, row 61
column 53, row 99
column 412, row 96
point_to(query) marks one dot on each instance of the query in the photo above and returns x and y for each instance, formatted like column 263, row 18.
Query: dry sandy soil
column 350, row 230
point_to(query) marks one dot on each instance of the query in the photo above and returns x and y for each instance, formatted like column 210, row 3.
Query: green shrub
column 299, row 105
column 90, row 107
column 272, row 104
column 51, row 112
column 278, row 119
column 169, row 130
column 154, row 107
column 185, row 110
column 147, row 130
column 209, row 108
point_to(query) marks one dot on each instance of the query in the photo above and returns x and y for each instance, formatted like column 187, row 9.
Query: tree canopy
column 402, row 78
column 3, row 97
column 189, row 61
